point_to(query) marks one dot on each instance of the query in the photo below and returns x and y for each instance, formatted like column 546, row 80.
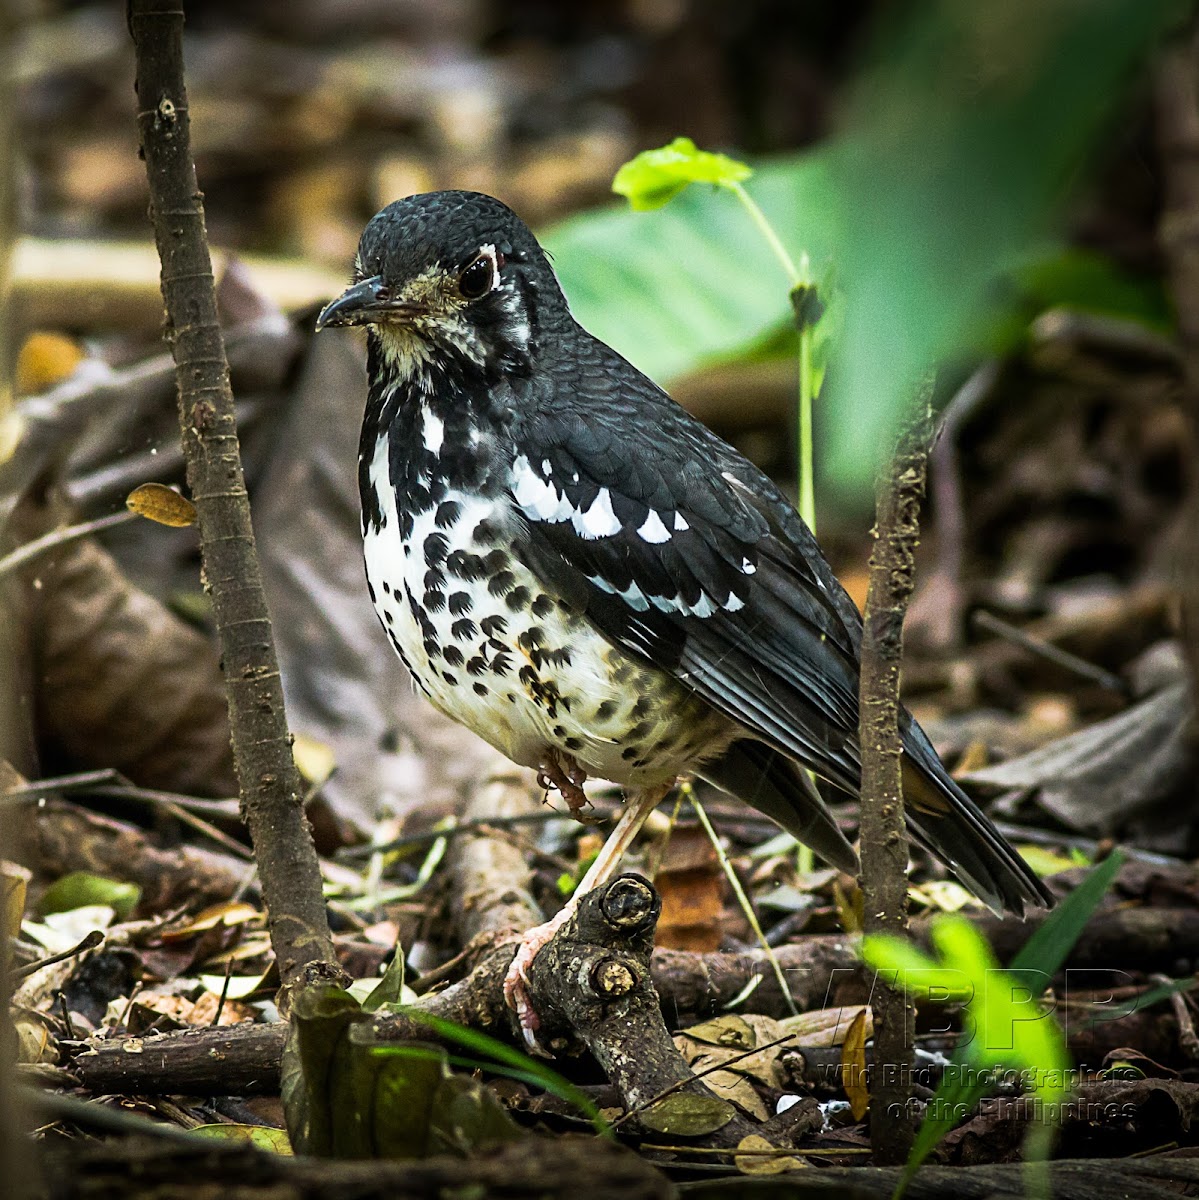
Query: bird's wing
column 683, row 553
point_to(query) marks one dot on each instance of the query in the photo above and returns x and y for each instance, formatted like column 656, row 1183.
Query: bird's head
column 453, row 274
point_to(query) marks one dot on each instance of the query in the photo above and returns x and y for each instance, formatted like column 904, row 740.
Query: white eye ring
column 481, row 275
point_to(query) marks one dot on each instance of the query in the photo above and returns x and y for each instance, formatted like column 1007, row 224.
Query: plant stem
column 746, row 907
column 884, row 841
column 60, row 537
column 767, row 231
column 271, row 795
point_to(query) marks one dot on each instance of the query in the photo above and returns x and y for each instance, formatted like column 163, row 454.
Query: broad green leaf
column 81, row 889
column 262, row 1136
column 687, row 1114
column 694, row 284
column 657, row 176
column 390, row 989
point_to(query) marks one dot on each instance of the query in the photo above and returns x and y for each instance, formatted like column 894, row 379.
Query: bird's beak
column 366, row 303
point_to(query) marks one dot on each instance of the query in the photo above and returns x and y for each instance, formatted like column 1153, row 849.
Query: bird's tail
column 773, row 784
column 943, row 819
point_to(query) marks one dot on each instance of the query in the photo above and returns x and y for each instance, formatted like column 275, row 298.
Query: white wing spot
column 537, row 497
column 680, row 523
column 546, row 468
column 747, row 568
column 652, row 530
column 734, row 603
column 599, row 520
column 433, row 431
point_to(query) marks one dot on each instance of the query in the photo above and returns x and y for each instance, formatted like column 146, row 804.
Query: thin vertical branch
column 884, row 840
column 271, row 796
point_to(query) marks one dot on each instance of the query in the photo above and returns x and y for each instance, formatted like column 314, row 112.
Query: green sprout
column 654, row 178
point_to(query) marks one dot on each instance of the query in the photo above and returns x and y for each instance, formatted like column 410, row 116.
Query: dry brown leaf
column 14, row 880
column 46, row 359
column 825, row 1026
column 853, row 1067
column 765, row 1163
column 162, row 505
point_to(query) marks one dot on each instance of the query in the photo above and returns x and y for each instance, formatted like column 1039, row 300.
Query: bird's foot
column 559, row 770
column 516, row 982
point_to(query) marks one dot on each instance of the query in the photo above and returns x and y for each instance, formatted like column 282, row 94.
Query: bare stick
column 884, row 840
column 271, row 796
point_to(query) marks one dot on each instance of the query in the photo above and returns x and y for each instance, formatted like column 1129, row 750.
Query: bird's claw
column 560, row 771
column 516, row 981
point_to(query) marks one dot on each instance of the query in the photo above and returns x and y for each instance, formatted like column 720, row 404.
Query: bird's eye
column 478, row 278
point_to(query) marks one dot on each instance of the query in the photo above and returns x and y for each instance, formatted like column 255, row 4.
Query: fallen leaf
column 162, row 505
column 687, row 1114
column 261, row 1136
column 768, row 1163
column 853, row 1067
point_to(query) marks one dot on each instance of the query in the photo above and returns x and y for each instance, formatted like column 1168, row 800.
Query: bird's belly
column 497, row 651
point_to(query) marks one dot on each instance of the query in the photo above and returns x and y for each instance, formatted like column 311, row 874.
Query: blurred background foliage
column 947, row 166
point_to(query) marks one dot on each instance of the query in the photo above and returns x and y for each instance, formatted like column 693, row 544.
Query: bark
column 270, row 785
column 884, row 838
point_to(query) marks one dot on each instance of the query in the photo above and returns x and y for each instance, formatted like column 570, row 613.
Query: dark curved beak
column 365, row 303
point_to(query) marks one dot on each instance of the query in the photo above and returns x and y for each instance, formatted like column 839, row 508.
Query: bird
column 574, row 567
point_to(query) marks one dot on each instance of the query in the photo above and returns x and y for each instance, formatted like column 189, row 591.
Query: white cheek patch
column 652, row 530
column 599, row 520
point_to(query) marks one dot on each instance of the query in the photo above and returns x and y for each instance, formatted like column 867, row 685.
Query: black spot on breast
column 453, row 656
column 476, row 665
column 463, row 629
column 494, row 626
column 434, row 579
column 517, row 599
column 630, row 752
column 511, row 697
column 460, row 603
column 573, row 743
column 642, row 707
column 554, row 658
column 527, row 676
column 605, row 710
column 466, row 566
column 447, row 513
column 485, row 532
column 640, row 729
column 389, row 617
column 531, row 638
column 542, row 606
column 480, row 689
column 559, row 731
column 451, row 679
column 370, row 587
column 406, row 522
column 501, row 664
column 436, row 547
column 434, row 601
column 432, row 648
column 386, row 588
column 501, row 583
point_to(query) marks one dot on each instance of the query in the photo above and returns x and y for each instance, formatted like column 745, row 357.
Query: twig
column 884, row 840
column 90, row 942
column 220, row 1004
column 1051, row 653
column 270, row 783
column 60, row 537
column 746, row 907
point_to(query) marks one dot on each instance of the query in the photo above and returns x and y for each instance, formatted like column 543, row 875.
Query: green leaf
column 261, row 1136
column 656, row 176
column 687, row 1114
column 1052, row 942
column 695, row 284
column 81, row 888
column 390, row 988
column 531, row 1069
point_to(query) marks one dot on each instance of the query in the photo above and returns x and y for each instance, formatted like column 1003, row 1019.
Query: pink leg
column 636, row 810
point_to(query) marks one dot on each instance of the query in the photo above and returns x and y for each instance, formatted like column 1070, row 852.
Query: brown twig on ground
column 884, row 838
column 270, row 785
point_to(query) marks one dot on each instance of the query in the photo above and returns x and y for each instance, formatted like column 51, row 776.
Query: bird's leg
column 636, row 810
column 558, row 769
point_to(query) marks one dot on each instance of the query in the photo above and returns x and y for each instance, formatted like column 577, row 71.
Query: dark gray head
column 450, row 272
